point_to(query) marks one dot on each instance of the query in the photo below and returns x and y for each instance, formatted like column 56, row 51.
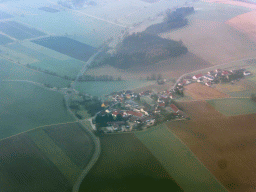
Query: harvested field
column 245, row 23
column 225, row 146
column 210, row 38
column 45, row 159
column 200, row 92
column 178, row 160
column 236, row 3
column 234, row 106
column 199, row 110
column 228, row 87
column 74, row 49
column 125, row 164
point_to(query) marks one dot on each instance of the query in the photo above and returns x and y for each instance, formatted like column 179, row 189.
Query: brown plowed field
column 245, row 23
column 200, row 92
column 226, row 146
column 199, row 110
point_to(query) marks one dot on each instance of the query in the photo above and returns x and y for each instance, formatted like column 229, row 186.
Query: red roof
column 115, row 113
column 225, row 73
column 198, row 75
column 137, row 114
column 161, row 104
column 174, row 108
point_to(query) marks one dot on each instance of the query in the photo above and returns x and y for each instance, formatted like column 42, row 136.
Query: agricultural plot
column 178, row 160
column 199, row 109
column 234, row 106
column 52, row 153
column 200, row 92
column 75, row 138
column 11, row 71
column 25, row 106
column 125, row 164
column 25, row 168
column 14, row 32
column 4, row 40
column 225, row 146
column 4, row 15
column 74, row 49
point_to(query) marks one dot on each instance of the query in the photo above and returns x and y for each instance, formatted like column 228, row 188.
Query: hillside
column 143, row 49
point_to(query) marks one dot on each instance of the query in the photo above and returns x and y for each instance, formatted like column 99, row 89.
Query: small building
column 197, row 76
column 246, row 73
column 136, row 114
column 208, row 84
column 174, row 108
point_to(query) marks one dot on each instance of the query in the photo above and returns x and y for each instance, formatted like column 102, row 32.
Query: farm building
column 197, row 76
column 136, row 114
column 174, row 108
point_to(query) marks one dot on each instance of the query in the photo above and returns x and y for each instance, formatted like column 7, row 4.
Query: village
column 128, row 111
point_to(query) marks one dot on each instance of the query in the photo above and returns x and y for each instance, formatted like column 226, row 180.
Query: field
column 224, row 145
column 178, row 160
column 74, row 49
column 4, row 40
column 125, row 164
column 44, row 159
column 25, row 106
column 200, row 92
column 234, row 106
column 245, row 23
column 4, row 15
column 199, row 109
column 210, row 38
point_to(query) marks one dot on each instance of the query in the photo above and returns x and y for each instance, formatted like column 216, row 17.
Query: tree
column 119, row 117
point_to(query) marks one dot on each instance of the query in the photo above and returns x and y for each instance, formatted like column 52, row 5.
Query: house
column 197, row 76
column 208, row 84
column 209, row 77
column 174, row 108
column 225, row 73
column 218, row 70
column 115, row 113
column 161, row 104
column 136, row 114
column 246, row 73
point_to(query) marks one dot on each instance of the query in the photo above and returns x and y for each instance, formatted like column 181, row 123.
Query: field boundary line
column 40, row 127
column 195, row 156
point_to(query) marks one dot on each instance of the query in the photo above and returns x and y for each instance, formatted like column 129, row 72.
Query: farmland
column 234, row 106
column 200, row 92
column 125, row 164
column 208, row 37
column 224, row 145
column 44, row 159
column 74, row 49
column 25, row 106
column 178, row 160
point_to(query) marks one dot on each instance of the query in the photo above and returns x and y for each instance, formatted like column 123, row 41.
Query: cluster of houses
column 219, row 75
column 131, row 113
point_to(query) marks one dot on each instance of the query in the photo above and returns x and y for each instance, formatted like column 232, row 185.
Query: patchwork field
column 125, row 164
column 67, row 46
column 178, row 160
column 225, row 146
column 200, row 92
column 44, row 159
column 234, row 106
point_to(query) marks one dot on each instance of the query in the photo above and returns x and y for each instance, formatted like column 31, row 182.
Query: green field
column 234, row 106
column 49, row 159
column 125, row 164
column 178, row 160
column 25, row 106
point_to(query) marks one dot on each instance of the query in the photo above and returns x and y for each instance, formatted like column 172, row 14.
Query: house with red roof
column 197, row 76
column 133, row 113
column 174, row 108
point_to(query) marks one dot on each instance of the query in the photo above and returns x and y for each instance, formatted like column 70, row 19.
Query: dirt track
column 226, row 145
